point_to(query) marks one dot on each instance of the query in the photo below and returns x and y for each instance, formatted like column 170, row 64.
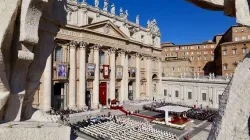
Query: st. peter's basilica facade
column 100, row 56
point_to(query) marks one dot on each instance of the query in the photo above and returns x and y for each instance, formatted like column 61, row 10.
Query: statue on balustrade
column 113, row 9
column 97, row 3
column 27, row 33
column 106, row 3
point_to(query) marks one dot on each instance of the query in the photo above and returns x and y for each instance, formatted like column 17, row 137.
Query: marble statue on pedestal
column 27, row 32
column 137, row 19
column 121, row 12
column 105, row 7
column 113, row 9
column 126, row 14
column 97, row 3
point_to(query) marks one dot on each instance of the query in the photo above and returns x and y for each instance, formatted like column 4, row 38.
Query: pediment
column 106, row 28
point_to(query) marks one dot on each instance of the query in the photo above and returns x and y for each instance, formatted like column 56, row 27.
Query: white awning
column 177, row 109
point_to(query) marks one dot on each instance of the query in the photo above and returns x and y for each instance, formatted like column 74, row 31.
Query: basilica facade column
column 149, row 77
column 72, row 75
column 112, row 73
column 97, row 77
column 47, row 78
column 82, row 75
column 160, row 90
column 126, row 76
column 138, row 76
column 122, row 95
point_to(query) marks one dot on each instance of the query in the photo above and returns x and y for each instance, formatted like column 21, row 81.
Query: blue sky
column 179, row 21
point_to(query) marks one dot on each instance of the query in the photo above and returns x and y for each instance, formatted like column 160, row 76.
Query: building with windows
column 231, row 50
column 201, row 57
column 204, row 91
column 220, row 55
column 100, row 56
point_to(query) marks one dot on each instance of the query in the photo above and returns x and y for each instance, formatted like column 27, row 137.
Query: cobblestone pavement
column 203, row 134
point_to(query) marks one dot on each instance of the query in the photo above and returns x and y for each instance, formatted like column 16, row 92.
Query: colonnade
column 123, row 95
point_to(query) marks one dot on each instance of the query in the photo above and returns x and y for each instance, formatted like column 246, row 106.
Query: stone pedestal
column 29, row 131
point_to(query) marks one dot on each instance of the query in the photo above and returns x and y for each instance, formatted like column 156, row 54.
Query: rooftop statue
column 154, row 29
column 121, row 12
column 97, row 3
column 113, row 9
column 106, row 3
column 137, row 19
column 126, row 14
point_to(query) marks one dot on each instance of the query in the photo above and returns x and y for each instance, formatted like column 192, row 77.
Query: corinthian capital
column 112, row 50
column 73, row 43
column 83, row 45
column 138, row 55
column 97, row 47
column 121, row 52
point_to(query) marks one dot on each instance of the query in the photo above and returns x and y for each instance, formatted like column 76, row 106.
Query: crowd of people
column 63, row 112
column 88, row 121
column 193, row 113
column 121, row 128
column 141, row 101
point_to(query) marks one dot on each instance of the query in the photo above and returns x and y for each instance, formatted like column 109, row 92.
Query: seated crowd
column 121, row 128
column 141, row 101
column 193, row 113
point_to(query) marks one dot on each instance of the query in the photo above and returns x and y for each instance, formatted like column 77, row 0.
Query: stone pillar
column 47, row 83
column 126, row 76
column 215, row 96
column 198, row 96
column 195, row 99
column 112, row 73
column 65, row 95
column 182, row 94
column 97, row 77
column 122, row 57
column 82, row 75
column 160, row 89
column 149, row 77
column 72, row 76
column 138, row 76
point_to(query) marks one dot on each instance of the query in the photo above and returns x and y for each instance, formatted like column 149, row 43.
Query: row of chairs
column 126, row 129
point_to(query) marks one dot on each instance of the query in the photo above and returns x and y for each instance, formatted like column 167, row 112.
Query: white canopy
column 177, row 109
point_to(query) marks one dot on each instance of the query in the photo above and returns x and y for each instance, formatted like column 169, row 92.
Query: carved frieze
column 69, row 33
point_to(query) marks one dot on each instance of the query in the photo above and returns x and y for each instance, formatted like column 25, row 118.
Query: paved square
column 200, row 131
